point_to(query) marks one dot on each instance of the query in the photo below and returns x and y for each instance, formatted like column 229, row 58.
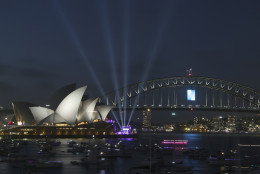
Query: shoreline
column 114, row 136
column 67, row 136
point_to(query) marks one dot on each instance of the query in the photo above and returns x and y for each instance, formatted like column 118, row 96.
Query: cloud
column 26, row 68
column 46, row 85
column 36, row 62
column 35, row 73
column 209, row 55
column 28, row 61
column 5, row 87
column 4, row 68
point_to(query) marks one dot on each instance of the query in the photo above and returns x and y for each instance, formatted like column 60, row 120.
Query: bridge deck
column 196, row 109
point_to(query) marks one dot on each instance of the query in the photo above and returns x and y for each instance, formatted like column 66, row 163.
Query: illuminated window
column 191, row 95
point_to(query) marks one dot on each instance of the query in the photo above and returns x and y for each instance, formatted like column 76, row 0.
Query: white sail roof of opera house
column 69, row 106
column 103, row 110
column 87, row 110
column 56, row 97
column 53, row 118
column 67, row 109
column 22, row 113
column 40, row 113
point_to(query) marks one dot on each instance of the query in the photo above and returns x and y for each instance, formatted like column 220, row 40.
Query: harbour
column 147, row 153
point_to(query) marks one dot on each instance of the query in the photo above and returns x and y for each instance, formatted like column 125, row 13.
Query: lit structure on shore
column 67, row 114
column 147, row 118
column 70, row 110
column 61, row 131
column 125, row 130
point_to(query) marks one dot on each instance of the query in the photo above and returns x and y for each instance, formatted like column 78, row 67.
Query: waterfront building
column 60, row 131
column 196, row 119
column 70, row 111
column 231, row 123
column 67, row 114
column 147, row 119
column 6, row 118
column 22, row 113
column 218, row 124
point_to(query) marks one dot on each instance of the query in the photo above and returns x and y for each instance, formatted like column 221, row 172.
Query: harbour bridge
column 172, row 93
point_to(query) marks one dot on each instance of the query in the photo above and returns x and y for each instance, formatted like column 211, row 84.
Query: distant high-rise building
column 147, row 118
column 197, row 120
column 218, row 123
column 231, row 123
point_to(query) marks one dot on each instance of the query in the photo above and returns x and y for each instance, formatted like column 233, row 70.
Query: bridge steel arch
column 250, row 97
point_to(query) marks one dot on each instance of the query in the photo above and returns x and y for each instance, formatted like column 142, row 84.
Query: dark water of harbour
column 212, row 142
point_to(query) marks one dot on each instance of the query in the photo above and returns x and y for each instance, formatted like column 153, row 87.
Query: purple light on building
column 127, row 139
column 125, row 130
column 110, row 121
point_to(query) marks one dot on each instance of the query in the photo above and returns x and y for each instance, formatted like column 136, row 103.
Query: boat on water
column 176, row 171
column 175, row 142
column 71, row 143
column 140, row 170
column 97, row 163
column 220, row 158
column 3, row 151
column 12, row 157
column 49, row 164
column 197, row 153
column 45, row 150
column 168, row 146
column 161, row 169
column 249, row 145
column 33, row 163
column 55, row 142
column 115, row 154
column 46, row 154
column 75, row 162
column 147, row 162
column 36, row 163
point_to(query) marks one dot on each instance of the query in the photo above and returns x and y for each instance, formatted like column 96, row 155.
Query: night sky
column 105, row 45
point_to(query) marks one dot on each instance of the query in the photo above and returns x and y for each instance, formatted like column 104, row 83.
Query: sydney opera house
column 67, row 112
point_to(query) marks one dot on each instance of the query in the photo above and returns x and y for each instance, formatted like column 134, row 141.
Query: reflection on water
column 102, row 172
column 120, row 165
column 192, row 136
